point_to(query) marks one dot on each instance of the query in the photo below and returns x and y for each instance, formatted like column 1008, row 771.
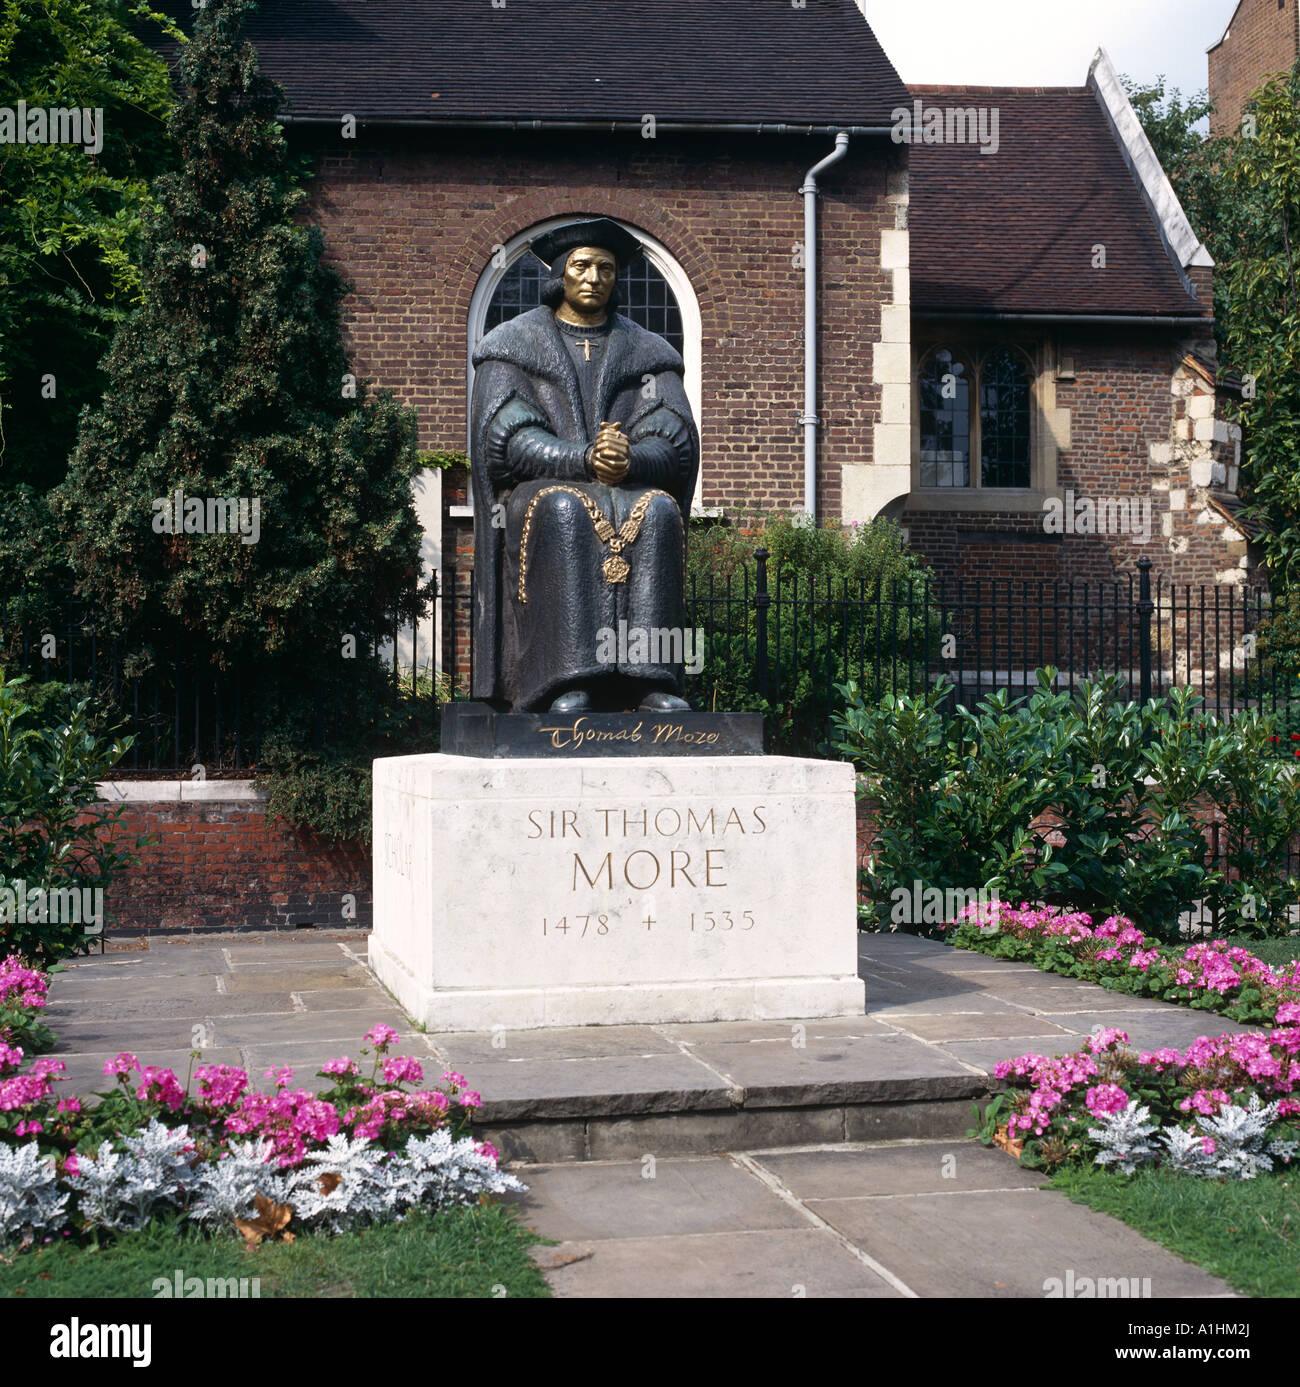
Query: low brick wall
column 222, row 863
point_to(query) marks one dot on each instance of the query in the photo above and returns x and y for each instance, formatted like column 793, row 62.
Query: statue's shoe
column 575, row 701
column 661, row 702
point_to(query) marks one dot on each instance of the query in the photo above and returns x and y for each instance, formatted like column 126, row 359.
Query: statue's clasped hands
column 609, row 455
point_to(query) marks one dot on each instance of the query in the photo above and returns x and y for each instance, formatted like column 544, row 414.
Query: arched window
column 952, row 432
column 945, row 420
column 656, row 293
column 1004, row 421
column 644, row 296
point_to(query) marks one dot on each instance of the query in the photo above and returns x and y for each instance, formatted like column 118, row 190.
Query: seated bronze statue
column 584, row 456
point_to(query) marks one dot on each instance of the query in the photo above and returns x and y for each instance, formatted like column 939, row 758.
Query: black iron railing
column 770, row 640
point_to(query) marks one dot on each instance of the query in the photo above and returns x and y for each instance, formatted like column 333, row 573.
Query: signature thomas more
column 578, row 734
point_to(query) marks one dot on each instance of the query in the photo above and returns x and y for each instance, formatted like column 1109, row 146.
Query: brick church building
column 1009, row 309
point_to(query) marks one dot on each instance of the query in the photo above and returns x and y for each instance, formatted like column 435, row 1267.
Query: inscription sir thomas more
column 569, row 736
column 642, row 868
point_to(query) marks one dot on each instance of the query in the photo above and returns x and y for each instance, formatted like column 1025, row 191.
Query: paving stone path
column 714, row 1159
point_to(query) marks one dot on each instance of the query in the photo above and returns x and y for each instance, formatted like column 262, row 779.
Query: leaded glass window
column 945, row 421
column 1004, row 421
column 951, row 381
column 643, row 292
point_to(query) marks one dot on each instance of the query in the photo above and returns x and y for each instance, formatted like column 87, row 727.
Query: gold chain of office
column 616, row 567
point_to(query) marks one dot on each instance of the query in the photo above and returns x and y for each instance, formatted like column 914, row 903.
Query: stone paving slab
column 794, row 1263
column 329, row 1030
column 520, row 1090
column 649, row 1198
column 900, row 1169
column 775, row 1032
column 466, row 1048
column 1009, row 1244
column 263, row 978
column 984, row 1025
column 938, row 1022
column 881, row 1220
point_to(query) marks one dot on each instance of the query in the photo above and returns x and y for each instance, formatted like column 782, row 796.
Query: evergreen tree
column 231, row 381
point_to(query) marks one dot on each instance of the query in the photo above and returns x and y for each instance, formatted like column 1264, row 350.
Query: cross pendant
column 586, row 349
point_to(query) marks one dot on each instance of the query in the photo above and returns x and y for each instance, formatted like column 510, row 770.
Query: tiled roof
column 1014, row 231
column 719, row 61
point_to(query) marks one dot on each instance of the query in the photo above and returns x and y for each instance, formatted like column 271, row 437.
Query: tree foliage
column 1263, row 326
column 1242, row 195
column 70, row 232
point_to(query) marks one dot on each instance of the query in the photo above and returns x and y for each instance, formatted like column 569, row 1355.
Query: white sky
column 1048, row 42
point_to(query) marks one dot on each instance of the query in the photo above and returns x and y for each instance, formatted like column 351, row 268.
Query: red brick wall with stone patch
column 1120, row 404
column 229, row 866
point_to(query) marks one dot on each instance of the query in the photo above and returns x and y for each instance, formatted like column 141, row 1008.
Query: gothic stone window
column 975, row 409
column 644, row 296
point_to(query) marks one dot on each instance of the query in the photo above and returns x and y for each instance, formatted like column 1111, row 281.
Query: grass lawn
column 456, row 1253
column 1245, row 1231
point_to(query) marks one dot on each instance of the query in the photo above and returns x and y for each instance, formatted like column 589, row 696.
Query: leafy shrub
column 1258, row 796
column 54, row 835
column 842, row 606
column 1076, row 799
column 329, row 791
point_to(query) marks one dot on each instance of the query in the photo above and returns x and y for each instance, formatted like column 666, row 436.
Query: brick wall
column 413, row 223
column 229, row 866
column 1122, row 403
column 1264, row 38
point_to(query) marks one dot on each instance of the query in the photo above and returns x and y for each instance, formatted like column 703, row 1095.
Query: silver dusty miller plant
column 124, row 1191
column 1241, row 1147
column 1125, row 1138
column 352, row 1197
column 228, row 1188
column 454, row 1172
column 1233, row 1143
column 437, row 1171
column 31, row 1202
column 434, row 1171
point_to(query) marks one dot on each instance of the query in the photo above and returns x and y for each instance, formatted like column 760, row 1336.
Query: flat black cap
column 604, row 234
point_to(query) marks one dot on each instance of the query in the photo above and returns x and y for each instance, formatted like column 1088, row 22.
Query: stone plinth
column 568, row 892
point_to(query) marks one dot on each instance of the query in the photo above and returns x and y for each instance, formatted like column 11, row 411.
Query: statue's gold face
column 589, row 279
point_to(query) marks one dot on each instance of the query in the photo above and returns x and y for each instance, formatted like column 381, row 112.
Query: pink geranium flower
column 160, row 1086
column 381, row 1036
column 1106, row 1098
column 402, row 1069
